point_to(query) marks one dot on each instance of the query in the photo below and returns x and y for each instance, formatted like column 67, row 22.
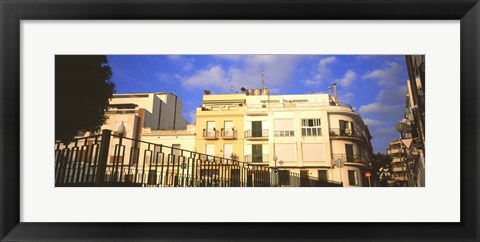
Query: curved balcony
column 350, row 159
column 256, row 134
column 345, row 134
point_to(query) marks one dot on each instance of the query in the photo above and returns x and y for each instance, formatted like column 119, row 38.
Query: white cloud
column 392, row 94
column 391, row 74
column 245, row 71
column 377, row 108
column 322, row 71
column 191, row 116
column 185, row 63
column 309, row 82
column 372, row 122
column 347, row 79
column 214, row 76
column 346, row 97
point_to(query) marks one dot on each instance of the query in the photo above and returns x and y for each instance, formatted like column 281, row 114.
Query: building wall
column 184, row 138
column 309, row 153
column 221, row 108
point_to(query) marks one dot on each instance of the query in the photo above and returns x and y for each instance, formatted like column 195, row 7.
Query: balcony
column 345, row 134
column 392, row 151
column 256, row 134
column 350, row 158
column 398, row 169
column 210, row 134
column 257, row 159
column 397, row 159
column 228, row 133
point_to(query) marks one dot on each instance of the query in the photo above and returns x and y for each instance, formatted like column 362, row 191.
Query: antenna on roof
column 263, row 78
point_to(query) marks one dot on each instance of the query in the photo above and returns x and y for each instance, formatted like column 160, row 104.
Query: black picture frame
column 13, row 11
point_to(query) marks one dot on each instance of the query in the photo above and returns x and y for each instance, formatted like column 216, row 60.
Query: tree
column 381, row 166
column 82, row 92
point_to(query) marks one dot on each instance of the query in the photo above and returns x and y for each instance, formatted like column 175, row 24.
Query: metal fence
column 112, row 160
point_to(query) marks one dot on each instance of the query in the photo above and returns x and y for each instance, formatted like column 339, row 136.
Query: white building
column 140, row 112
column 307, row 134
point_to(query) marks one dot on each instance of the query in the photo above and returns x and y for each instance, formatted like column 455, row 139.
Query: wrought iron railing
column 256, row 134
column 263, row 158
column 345, row 133
column 350, row 158
column 228, row 133
column 111, row 160
column 210, row 134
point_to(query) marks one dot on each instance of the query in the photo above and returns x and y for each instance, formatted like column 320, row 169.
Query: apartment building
column 136, row 112
column 399, row 172
column 305, row 134
column 219, row 125
column 411, row 142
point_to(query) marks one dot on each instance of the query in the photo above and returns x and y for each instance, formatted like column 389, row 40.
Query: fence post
column 103, row 157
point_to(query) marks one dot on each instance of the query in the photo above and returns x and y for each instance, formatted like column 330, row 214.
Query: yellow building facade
column 219, row 126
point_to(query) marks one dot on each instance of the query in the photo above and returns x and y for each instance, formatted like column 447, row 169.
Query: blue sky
column 374, row 85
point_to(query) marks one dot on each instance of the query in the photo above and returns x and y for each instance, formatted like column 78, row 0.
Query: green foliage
column 82, row 92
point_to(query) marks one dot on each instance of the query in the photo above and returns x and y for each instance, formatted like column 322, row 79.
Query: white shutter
column 283, row 124
column 210, row 149
column 286, row 152
column 210, row 128
column 227, row 151
column 313, row 152
column 228, row 125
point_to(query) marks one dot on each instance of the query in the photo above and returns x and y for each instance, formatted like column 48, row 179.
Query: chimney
column 335, row 92
column 329, row 93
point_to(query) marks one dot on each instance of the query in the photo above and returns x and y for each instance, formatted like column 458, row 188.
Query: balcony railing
column 256, row 158
column 344, row 133
column 210, row 134
column 256, row 134
column 229, row 133
column 349, row 158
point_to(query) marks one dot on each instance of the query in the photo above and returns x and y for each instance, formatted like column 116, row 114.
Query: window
column 346, row 128
column 256, row 128
column 349, row 152
column 257, row 153
column 227, row 151
column 313, row 152
column 286, row 152
column 284, row 127
column 311, row 127
column 228, row 128
column 210, row 151
column 322, row 175
column 352, row 178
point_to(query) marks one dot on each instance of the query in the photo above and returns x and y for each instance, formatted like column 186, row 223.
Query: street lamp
column 121, row 129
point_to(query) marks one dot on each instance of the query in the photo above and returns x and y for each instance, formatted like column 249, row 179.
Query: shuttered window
column 313, row 152
column 352, row 178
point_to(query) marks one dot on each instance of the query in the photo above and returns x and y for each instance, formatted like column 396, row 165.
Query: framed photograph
column 239, row 120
